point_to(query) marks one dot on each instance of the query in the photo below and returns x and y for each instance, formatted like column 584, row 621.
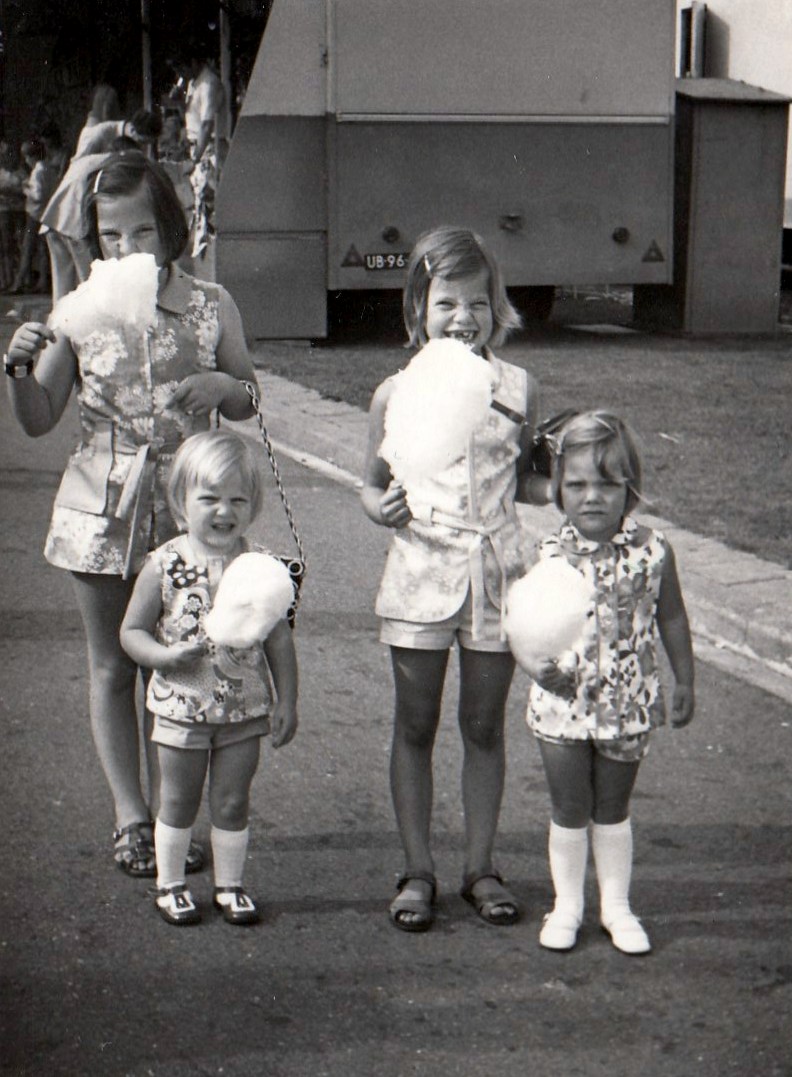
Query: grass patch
column 713, row 415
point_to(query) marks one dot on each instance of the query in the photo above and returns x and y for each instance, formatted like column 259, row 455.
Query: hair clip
column 604, row 423
column 96, row 181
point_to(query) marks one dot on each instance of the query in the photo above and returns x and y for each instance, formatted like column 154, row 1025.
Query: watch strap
column 18, row 370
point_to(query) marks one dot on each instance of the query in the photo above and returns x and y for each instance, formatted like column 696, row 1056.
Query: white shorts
column 440, row 635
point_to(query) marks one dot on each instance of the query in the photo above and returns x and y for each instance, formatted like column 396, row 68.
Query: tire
column 534, row 302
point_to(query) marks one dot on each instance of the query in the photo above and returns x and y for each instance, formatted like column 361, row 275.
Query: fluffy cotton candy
column 254, row 593
column 546, row 611
column 438, row 400
column 118, row 292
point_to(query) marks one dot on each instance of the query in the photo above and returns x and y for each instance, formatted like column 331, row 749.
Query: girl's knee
column 229, row 809
column 572, row 808
column 417, row 728
column 482, row 732
column 609, row 811
column 571, row 817
column 177, row 811
column 113, row 673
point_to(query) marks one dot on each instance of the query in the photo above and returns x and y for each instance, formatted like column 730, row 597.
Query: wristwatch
column 18, row 370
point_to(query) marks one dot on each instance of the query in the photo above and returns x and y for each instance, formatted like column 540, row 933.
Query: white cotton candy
column 546, row 611
column 438, row 400
column 120, row 292
column 254, row 593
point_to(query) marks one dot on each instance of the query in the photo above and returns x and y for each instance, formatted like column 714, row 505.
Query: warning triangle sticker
column 353, row 257
column 653, row 254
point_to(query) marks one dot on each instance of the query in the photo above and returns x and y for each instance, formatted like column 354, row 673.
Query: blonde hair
column 452, row 253
column 615, row 451
column 210, row 458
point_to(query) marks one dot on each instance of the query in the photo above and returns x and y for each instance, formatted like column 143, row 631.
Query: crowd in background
column 38, row 254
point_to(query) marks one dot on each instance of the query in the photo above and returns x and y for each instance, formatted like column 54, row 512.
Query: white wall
column 751, row 40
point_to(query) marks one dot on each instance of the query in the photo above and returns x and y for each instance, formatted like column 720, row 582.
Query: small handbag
column 545, row 441
column 295, row 564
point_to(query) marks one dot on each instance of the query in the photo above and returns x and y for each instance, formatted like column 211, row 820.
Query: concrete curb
column 738, row 604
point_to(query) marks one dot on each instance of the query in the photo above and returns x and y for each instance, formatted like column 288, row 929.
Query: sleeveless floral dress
column 225, row 685
column 619, row 693
column 111, row 507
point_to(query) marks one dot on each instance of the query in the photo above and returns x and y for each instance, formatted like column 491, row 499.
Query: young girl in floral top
column 211, row 704
column 593, row 724
column 140, row 393
column 456, row 543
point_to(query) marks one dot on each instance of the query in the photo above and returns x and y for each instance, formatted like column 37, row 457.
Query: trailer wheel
column 534, row 302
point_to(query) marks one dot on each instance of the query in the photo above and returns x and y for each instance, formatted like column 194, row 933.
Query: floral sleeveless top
column 464, row 533
column 225, row 685
column 111, row 507
column 619, row 692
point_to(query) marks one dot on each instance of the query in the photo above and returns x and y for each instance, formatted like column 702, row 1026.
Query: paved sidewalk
column 739, row 605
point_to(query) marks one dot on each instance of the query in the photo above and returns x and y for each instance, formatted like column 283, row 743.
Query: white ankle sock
column 568, row 849
column 612, row 845
column 229, row 849
column 171, row 843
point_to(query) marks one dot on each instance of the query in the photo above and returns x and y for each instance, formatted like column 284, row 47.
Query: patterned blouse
column 464, row 533
column 619, row 692
column 111, row 508
column 225, row 685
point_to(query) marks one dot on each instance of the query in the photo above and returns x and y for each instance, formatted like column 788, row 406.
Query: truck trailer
column 544, row 125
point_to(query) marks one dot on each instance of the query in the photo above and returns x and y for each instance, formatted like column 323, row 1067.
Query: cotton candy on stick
column 546, row 612
column 438, row 400
column 254, row 593
column 120, row 292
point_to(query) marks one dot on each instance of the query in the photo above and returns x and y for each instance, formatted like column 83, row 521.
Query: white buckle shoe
column 176, row 906
column 627, row 934
column 559, row 930
column 235, row 905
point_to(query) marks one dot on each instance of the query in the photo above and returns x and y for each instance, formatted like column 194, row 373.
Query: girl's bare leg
column 231, row 773
column 102, row 602
column 419, row 678
column 485, row 681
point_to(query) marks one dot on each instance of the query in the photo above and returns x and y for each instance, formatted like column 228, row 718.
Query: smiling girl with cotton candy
column 208, row 616
column 449, row 443
column 150, row 352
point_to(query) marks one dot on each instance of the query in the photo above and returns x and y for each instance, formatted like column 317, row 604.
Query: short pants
column 206, row 736
column 630, row 749
column 439, row 635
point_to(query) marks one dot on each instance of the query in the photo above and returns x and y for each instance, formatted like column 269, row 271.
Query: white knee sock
column 568, row 848
column 613, row 853
column 171, row 843
column 229, row 849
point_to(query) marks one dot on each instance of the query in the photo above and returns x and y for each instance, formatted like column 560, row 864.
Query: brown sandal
column 134, row 851
column 416, row 907
column 487, row 907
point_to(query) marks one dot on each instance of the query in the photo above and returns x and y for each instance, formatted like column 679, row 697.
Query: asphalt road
column 94, row 983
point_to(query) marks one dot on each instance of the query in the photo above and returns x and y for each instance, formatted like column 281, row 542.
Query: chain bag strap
column 295, row 565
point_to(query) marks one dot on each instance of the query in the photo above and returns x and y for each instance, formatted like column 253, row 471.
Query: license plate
column 391, row 260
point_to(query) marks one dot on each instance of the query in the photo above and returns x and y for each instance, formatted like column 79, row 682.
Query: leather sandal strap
column 469, row 881
column 121, row 831
column 421, row 876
